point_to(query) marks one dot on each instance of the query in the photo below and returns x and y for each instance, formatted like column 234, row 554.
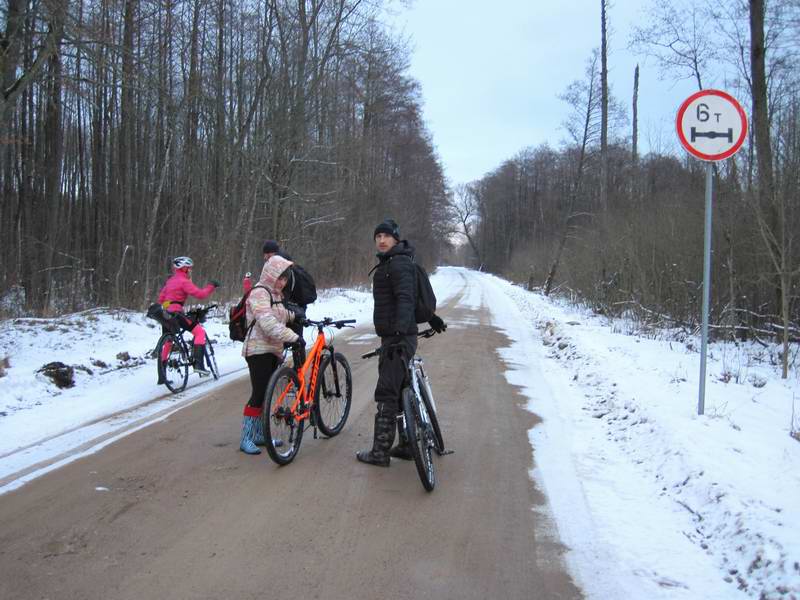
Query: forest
column 136, row 130
column 622, row 231
column 132, row 131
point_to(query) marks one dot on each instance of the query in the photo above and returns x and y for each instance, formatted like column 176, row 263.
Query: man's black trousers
column 393, row 369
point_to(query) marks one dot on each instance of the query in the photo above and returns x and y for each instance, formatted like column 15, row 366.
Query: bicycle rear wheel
column 420, row 438
column 282, row 431
column 211, row 361
column 333, row 395
column 430, row 406
column 175, row 369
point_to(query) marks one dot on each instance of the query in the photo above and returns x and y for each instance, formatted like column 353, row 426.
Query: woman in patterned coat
column 263, row 346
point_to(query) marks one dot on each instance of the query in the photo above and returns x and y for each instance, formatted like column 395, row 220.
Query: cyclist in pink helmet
column 173, row 296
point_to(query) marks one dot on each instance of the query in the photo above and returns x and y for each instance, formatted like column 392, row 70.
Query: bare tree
column 464, row 203
column 771, row 208
column 604, row 104
column 635, row 118
column 676, row 36
column 584, row 100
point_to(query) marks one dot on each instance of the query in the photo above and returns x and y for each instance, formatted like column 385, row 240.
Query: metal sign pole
column 701, row 403
column 711, row 126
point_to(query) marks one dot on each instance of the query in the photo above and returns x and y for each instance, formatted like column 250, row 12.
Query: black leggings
column 261, row 366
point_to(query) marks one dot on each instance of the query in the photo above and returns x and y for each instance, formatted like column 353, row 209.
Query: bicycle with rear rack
column 317, row 393
column 419, row 423
column 174, row 369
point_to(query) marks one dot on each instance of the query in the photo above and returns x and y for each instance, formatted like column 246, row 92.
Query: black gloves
column 295, row 345
column 215, row 283
column 298, row 311
column 437, row 324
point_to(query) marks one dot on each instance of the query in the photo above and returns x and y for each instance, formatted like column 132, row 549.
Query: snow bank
column 668, row 494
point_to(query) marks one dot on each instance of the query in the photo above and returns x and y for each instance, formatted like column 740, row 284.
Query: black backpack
column 425, row 306
column 237, row 317
column 303, row 289
column 164, row 318
column 425, row 301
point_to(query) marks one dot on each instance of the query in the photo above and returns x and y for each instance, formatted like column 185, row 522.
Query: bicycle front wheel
column 333, row 395
column 175, row 369
column 420, row 438
column 282, row 431
column 211, row 361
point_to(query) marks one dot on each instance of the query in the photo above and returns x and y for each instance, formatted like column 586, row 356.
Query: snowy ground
column 115, row 390
column 653, row 500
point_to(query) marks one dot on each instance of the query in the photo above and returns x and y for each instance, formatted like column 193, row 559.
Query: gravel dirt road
column 175, row 511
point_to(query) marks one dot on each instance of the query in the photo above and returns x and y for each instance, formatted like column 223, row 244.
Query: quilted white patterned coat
column 270, row 331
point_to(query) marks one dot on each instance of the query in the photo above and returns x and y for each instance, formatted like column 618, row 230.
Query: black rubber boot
column 199, row 356
column 403, row 449
column 382, row 439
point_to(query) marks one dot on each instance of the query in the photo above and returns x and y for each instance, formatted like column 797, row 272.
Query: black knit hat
column 271, row 246
column 388, row 226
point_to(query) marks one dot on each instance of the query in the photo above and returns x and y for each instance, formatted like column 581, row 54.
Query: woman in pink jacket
column 263, row 346
column 173, row 296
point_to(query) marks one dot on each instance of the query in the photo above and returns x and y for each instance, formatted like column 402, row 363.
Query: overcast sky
column 491, row 72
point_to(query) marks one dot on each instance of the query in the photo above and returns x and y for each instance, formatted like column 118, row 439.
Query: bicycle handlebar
column 199, row 313
column 422, row 334
column 328, row 322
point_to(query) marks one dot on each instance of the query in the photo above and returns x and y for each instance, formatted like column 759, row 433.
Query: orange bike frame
column 311, row 364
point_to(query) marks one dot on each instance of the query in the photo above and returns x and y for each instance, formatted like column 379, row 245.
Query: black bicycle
column 419, row 423
column 174, row 370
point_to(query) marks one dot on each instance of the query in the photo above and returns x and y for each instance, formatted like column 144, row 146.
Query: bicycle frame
column 415, row 373
column 197, row 315
column 423, row 432
column 305, row 398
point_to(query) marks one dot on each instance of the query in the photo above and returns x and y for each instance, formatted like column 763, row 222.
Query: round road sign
column 711, row 125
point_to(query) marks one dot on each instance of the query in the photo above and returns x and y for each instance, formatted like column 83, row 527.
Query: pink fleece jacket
column 178, row 289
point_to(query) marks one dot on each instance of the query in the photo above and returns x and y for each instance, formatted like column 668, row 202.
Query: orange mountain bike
column 318, row 393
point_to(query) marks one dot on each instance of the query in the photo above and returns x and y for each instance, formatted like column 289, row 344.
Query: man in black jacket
column 394, row 293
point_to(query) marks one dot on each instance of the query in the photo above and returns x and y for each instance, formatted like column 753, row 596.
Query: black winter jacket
column 393, row 290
